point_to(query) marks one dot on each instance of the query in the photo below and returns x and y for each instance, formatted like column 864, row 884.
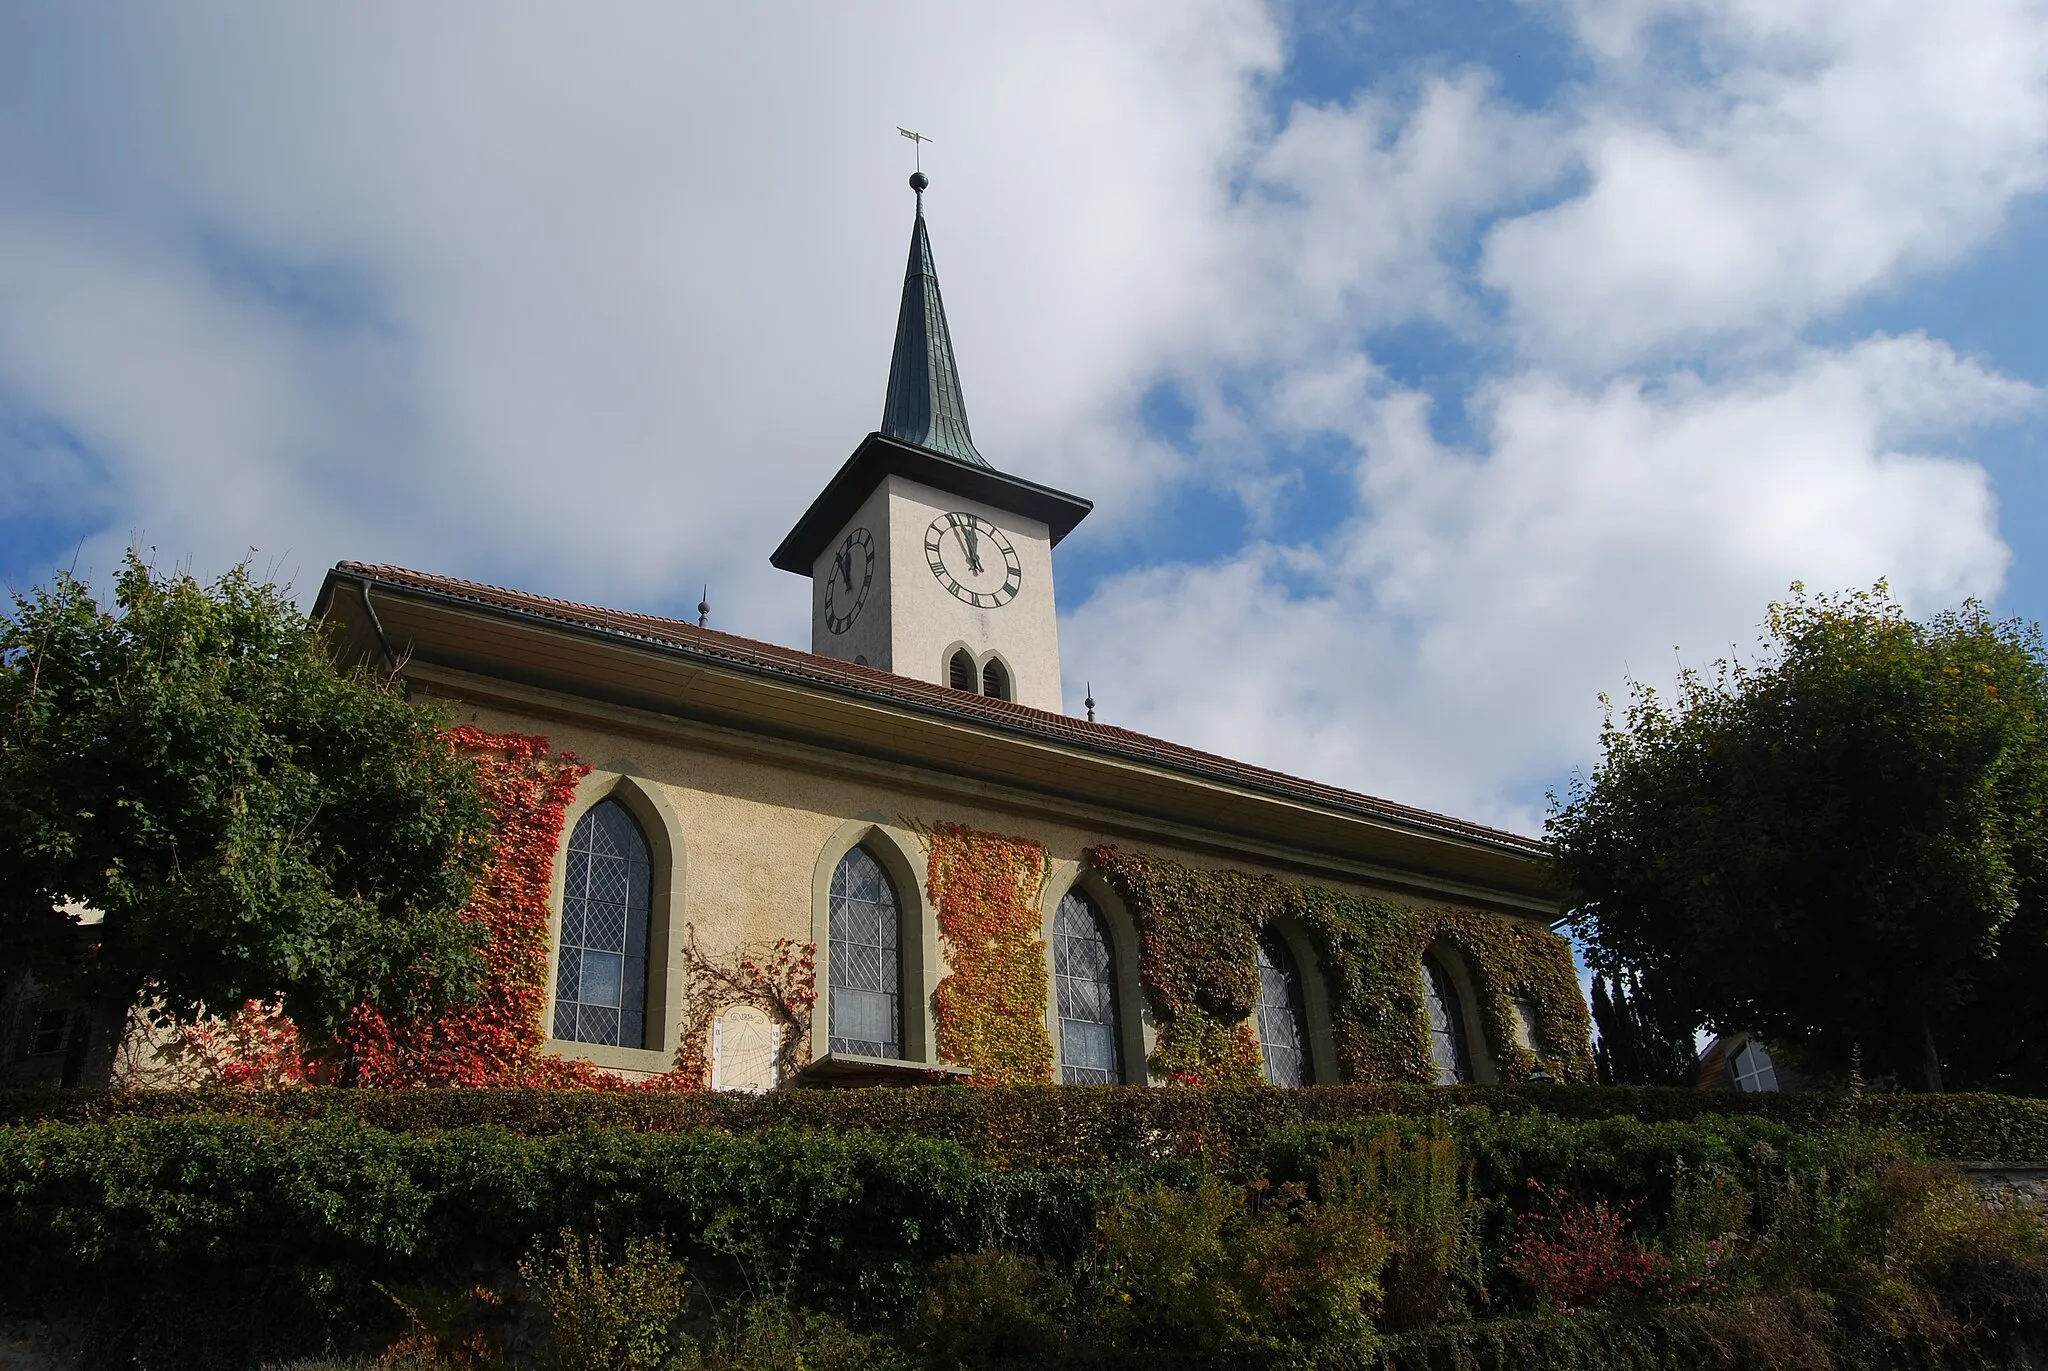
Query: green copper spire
column 924, row 404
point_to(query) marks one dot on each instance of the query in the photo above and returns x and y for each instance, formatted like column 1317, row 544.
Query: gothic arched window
column 1283, row 1045
column 601, row 977
column 1084, row 979
column 995, row 680
column 960, row 673
column 865, row 968
column 1447, row 1042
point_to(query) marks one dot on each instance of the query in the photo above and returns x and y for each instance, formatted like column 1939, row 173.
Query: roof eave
column 1502, row 843
column 880, row 456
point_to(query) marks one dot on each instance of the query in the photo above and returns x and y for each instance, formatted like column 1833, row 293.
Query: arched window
column 995, row 681
column 1282, row 1044
column 960, row 671
column 1084, row 980
column 1447, row 1042
column 866, row 972
column 601, row 978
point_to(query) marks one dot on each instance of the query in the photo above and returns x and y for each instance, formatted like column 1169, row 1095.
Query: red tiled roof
column 922, row 696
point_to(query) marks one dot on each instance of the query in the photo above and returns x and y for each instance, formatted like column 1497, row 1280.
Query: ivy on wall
column 1199, row 927
column 497, row 1040
column 987, row 889
column 1198, row 936
column 781, row 981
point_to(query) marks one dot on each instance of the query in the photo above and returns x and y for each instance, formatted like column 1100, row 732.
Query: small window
column 1283, row 1047
column 995, row 681
column 1447, row 1047
column 1084, row 977
column 601, row 977
column 52, row 1031
column 961, row 670
column 1752, row 1069
column 865, row 970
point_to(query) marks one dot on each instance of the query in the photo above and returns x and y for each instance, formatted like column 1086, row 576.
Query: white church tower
column 925, row 560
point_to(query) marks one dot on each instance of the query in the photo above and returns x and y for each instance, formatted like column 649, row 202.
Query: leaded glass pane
column 865, row 967
column 608, row 888
column 1085, row 986
column 1282, row 1044
column 1446, row 1025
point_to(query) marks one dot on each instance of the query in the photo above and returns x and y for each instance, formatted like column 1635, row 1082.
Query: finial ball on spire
column 918, row 181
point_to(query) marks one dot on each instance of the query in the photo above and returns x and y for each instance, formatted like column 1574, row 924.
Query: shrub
column 1577, row 1255
column 1209, row 1270
column 1420, row 1188
column 611, row 1316
column 994, row 1307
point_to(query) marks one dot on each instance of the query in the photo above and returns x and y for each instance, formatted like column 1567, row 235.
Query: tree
column 1644, row 1038
column 251, row 821
column 1839, row 846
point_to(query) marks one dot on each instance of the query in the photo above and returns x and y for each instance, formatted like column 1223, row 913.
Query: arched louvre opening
column 866, row 967
column 601, row 973
column 1447, row 1042
column 1084, row 983
column 995, row 680
column 960, row 671
column 1283, row 1043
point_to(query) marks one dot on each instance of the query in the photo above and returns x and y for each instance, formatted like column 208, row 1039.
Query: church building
column 1184, row 916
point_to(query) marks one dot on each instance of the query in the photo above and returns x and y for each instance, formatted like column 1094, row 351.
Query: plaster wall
column 927, row 622
column 911, row 625
column 752, row 832
column 866, row 640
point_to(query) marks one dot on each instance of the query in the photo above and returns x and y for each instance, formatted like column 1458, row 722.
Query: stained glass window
column 1084, row 981
column 1282, row 1044
column 601, row 976
column 1447, row 1047
column 865, row 970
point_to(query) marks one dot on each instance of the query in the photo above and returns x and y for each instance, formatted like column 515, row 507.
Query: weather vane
column 920, row 140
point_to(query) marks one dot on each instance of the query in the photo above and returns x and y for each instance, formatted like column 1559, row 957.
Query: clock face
column 847, row 580
column 973, row 560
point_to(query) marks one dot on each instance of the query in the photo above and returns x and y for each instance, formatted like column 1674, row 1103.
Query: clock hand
column 846, row 567
column 969, row 539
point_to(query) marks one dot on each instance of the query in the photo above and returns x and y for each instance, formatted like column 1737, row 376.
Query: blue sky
column 1434, row 366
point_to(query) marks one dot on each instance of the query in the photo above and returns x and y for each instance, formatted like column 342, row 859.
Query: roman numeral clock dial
column 973, row 560
column 851, row 573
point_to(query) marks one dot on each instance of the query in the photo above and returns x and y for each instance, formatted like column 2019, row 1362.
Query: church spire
column 924, row 405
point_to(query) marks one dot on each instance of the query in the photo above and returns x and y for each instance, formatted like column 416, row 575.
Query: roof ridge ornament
column 924, row 405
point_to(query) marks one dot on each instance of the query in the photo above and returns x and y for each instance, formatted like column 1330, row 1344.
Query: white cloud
column 593, row 302
column 1447, row 645
column 580, row 281
column 1828, row 149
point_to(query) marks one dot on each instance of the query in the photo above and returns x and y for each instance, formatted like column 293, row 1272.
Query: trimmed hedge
column 1053, row 1126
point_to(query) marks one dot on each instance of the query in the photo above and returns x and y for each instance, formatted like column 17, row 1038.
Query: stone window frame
column 668, row 868
column 901, row 858
column 1318, row 1027
column 1485, row 1066
column 981, row 662
column 1137, row 1033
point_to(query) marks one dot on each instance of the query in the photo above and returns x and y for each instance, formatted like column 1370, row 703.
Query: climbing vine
column 990, row 1008
column 1198, row 929
column 1198, row 935
column 498, row 1039
column 780, row 980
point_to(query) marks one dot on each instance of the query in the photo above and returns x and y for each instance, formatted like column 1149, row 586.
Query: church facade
column 1185, row 916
